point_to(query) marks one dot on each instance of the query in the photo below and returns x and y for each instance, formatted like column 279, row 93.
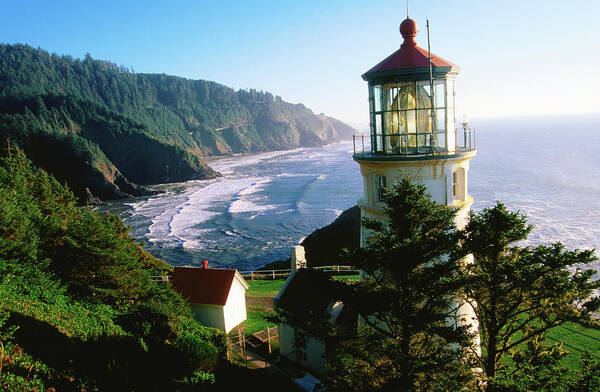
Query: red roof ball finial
column 408, row 29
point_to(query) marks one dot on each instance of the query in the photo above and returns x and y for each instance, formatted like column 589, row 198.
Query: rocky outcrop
column 324, row 245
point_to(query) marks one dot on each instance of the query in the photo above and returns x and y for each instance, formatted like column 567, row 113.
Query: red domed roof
column 409, row 55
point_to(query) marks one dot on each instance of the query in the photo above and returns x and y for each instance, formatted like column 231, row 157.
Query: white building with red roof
column 217, row 296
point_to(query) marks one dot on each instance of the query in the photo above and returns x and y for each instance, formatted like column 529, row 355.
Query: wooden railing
column 281, row 273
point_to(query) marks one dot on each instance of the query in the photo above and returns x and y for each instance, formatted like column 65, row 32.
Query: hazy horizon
column 516, row 58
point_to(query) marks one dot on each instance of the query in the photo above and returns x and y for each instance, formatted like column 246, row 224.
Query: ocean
column 547, row 168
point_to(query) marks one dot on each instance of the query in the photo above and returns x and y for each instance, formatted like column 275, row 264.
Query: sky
column 517, row 57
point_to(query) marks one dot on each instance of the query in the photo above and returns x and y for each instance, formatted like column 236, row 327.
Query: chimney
column 205, row 264
column 298, row 259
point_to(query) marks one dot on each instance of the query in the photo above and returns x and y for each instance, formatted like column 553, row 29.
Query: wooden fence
column 282, row 273
column 245, row 350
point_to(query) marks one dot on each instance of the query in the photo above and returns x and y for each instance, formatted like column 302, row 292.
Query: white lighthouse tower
column 413, row 133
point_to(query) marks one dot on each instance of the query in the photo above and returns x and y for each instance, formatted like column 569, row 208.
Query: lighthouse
column 413, row 133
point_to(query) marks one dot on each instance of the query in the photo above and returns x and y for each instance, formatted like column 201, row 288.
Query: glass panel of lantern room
column 439, row 93
column 377, row 98
column 440, row 117
column 408, row 126
column 423, row 94
column 424, row 89
column 440, row 139
column 423, row 120
column 391, row 96
column 424, row 130
column 392, row 124
column 378, row 134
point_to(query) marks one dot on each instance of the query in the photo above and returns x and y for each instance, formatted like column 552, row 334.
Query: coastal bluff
column 108, row 131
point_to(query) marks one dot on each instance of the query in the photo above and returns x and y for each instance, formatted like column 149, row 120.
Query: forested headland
column 105, row 130
column 79, row 308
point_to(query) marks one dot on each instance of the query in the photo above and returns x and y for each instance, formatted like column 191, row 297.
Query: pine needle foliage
column 412, row 336
column 519, row 293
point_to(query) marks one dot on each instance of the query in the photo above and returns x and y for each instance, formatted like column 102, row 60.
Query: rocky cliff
column 324, row 245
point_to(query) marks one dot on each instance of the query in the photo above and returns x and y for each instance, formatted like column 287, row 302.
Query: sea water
column 547, row 168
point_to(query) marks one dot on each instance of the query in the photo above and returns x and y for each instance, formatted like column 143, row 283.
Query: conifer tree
column 519, row 293
column 412, row 338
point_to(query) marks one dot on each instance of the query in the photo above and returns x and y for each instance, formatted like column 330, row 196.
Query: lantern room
column 411, row 103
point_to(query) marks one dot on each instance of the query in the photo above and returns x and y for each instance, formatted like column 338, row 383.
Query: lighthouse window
column 440, row 116
column 440, row 94
column 454, row 184
column 377, row 98
column 458, row 184
column 380, row 185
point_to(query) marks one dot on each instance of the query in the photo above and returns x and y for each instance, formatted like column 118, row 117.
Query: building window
column 454, row 185
column 380, row 186
column 458, row 184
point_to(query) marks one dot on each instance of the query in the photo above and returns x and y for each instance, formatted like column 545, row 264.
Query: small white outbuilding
column 217, row 296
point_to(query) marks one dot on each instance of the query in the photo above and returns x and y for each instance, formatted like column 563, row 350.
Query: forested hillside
column 79, row 309
column 103, row 127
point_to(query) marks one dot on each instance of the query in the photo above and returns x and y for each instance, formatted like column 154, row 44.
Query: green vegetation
column 259, row 318
column 79, row 309
column 406, row 342
column 259, row 304
column 576, row 339
column 114, row 128
column 532, row 303
column 518, row 293
column 267, row 288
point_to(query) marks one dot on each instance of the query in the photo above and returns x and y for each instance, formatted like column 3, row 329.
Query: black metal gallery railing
column 426, row 143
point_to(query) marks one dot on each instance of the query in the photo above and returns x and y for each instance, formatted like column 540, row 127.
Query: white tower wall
column 445, row 179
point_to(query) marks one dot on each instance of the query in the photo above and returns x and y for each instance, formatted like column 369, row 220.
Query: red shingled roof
column 203, row 285
column 409, row 55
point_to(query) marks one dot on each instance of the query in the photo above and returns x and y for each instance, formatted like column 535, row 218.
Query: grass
column 264, row 288
column 576, row 340
column 351, row 278
column 259, row 302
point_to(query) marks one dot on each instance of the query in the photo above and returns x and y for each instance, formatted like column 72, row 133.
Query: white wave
column 284, row 211
column 204, row 203
column 247, row 201
column 226, row 165
column 257, row 186
column 174, row 219
column 291, row 175
column 336, row 211
column 240, row 206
